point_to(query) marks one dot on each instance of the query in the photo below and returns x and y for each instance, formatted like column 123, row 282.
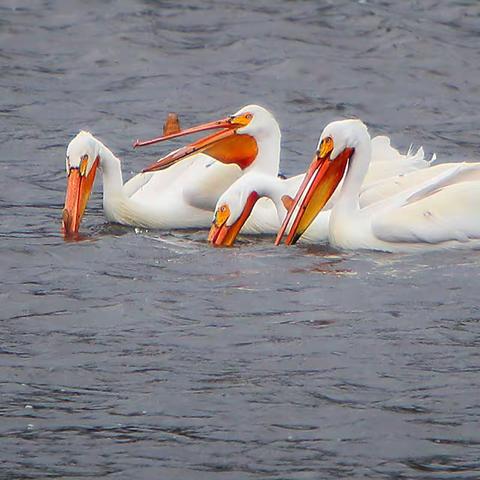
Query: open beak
column 226, row 145
column 223, row 235
column 79, row 186
column 321, row 180
column 223, row 123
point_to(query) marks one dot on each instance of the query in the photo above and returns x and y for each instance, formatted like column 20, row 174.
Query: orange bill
column 223, row 123
column 321, row 180
column 79, row 186
column 290, row 206
column 223, row 235
column 226, row 146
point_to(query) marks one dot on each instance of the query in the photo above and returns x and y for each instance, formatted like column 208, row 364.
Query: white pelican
column 438, row 211
column 235, row 206
column 181, row 196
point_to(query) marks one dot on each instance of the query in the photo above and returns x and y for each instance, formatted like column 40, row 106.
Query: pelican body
column 180, row 197
column 437, row 209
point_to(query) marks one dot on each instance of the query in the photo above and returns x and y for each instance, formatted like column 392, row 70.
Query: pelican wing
column 136, row 183
column 387, row 187
column 443, row 209
column 387, row 161
column 206, row 182
column 155, row 184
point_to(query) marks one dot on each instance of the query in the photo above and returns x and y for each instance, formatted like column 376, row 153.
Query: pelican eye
column 221, row 215
column 325, row 148
column 242, row 120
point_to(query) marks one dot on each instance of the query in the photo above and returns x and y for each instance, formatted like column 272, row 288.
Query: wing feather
column 448, row 213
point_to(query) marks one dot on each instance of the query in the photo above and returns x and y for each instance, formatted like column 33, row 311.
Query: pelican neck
column 112, row 172
column 268, row 156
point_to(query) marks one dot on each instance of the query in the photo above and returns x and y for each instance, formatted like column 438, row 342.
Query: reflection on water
column 143, row 354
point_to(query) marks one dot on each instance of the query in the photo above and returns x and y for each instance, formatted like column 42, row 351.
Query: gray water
column 150, row 355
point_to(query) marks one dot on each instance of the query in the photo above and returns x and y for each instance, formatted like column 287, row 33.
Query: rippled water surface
column 137, row 354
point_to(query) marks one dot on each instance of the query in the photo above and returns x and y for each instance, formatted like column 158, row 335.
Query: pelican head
column 233, row 209
column 81, row 164
column 335, row 147
column 262, row 123
column 236, row 140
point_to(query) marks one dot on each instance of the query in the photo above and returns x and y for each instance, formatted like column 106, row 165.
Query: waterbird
column 439, row 208
column 181, row 197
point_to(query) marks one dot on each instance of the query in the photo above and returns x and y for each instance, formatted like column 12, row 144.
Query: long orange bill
column 305, row 182
column 225, row 146
column 320, row 182
column 223, row 235
column 79, row 187
column 223, row 123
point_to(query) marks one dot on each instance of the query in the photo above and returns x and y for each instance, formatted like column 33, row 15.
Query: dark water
column 149, row 355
